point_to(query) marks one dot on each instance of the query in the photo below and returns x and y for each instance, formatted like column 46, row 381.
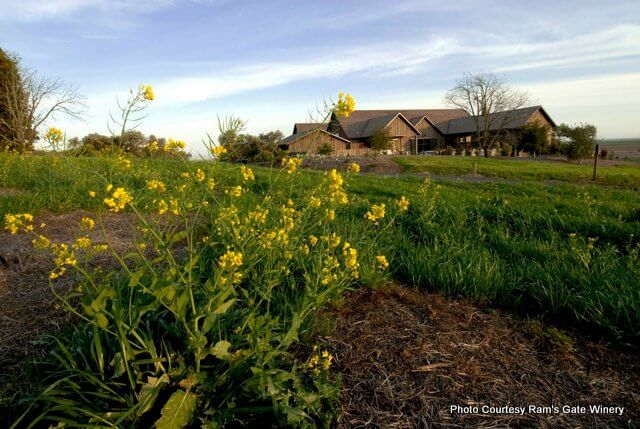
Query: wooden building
column 412, row 131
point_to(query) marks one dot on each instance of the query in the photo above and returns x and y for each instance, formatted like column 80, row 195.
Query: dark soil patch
column 27, row 306
column 382, row 164
column 405, row 357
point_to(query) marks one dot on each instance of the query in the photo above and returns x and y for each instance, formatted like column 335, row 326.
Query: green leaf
column 222, row 308
column 135, row 278
column 292, row 335
column 149, row 392
column 177, row 411
column 221, row 350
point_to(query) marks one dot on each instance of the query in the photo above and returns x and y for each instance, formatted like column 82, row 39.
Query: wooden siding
column 312, row 141
column 399, row 129
column 542, row 120
column 430, row 132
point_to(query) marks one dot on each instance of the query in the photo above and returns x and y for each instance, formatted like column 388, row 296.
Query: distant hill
column 623, row 148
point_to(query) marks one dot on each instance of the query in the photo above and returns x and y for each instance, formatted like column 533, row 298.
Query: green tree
column 533, row 138
column 325, row 149
column 380, row 140
column 578, row 141
column 11, row 94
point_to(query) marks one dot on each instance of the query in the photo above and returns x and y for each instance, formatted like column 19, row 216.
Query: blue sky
column 271, row 62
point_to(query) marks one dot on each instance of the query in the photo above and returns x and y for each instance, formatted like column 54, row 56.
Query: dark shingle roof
column 363, row 123
column 302, row 127
column 293, row 137
column 500, row 120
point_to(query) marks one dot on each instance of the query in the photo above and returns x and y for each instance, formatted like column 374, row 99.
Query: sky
column 271, row 63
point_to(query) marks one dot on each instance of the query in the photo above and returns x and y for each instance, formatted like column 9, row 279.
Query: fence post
column 475, row 168
column 595, row 163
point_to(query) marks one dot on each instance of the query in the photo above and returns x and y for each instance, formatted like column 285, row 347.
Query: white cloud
column 46, row 9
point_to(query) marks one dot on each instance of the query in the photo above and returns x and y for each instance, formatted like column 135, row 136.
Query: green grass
column 619, row 175
column 569, row 252
column 507, row 244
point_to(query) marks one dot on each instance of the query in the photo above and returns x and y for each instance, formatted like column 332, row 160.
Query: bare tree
column 30, row 101
column 490, row 102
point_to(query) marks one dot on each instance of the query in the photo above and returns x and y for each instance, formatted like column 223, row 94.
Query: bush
column 325, row 149
column 201, row 321
column 505, row 149
column 604, row 153
column 578, row 141
column 448, row 150
column 380, row 140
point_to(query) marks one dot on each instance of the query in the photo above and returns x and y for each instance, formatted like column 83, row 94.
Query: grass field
column 567, row 251
column 617, row 175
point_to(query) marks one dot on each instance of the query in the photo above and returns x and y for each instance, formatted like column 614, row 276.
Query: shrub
column 578, row 141
column 505, row 149
column 604, row 153
column 325, row 149
column 380, row 140
column 200, row 321
column 448, row 150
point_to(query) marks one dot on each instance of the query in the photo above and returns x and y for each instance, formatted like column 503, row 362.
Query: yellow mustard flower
column 41, row 242
column 87, row 223
column 200, row 176
column 354, row 168
column 345, row 105
column 218, row 151
column 119, row 199
column 382, row 262
column 156, row 185
column 230, row 260
column 147, row 92
column 82, row 243
column 54, row 135
column 15, row 222
column 291, row 164
column 92, row 194
column 331, row 214
column 403, row 204
column 247, row 174
column 376, row 213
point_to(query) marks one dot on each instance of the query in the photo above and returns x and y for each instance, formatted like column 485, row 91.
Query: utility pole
column 595, row 163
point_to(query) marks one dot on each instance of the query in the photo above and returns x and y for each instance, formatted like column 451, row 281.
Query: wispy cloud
column 400, row 59
column 47, row 9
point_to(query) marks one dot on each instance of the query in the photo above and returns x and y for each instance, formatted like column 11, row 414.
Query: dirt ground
column 382, row 164
column 27, row 306
column 405, row 357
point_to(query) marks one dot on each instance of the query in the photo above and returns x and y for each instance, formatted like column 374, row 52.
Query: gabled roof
column 435, row 116
column 302, row 127
column 364, row 123
column 500, row 120
column 293, row 137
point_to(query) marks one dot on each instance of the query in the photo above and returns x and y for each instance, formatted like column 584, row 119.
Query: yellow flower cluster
column 314, row 201
column 124, row 163
column 200, row 176
column 174, row 145
column 54, row 135
column 87, row 223
column 345, row 105
column 291, row 164
column 403, row 204
column 351, row 259
column 153, row 146
column 354, row 168
column 82, row 243
column 119, row 199
column 376, row 213
column 147, row 92
column 247, row 174
column 382, row 262
column 336, row 193
column 63, row 257
column 14, row 222
column 320, row 361
column 218, row 151
column 330, row 265
column 156, row 185
column 230, row 260
column 331, row 214
column 41, row 242
column 234, row 191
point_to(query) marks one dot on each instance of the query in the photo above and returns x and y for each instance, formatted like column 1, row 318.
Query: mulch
column 405, row 357
column 27, row 305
